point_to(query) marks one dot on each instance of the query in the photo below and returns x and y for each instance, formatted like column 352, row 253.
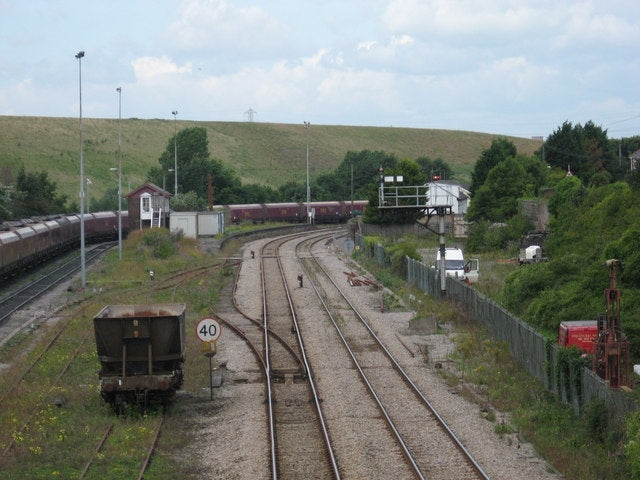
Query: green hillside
column 266, row 153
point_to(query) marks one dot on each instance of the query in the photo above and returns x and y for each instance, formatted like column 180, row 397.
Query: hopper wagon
column 141, row 352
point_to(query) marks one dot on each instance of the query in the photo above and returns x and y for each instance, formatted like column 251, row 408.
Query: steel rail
column 404, row 375
column 403, row 445
column 34, row 289
column 53, row 384
column 265, row 326
column 270, row 413
column 282, row 341
column 310, row 378
column 152, row 448
column 87, row 465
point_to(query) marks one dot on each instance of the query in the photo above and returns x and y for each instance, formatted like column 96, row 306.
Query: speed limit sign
column 208, row 329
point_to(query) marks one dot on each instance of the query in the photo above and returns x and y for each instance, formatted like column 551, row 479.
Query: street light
column 119, row 90
column 164, row 175
column 89, row 182
column 175, row 152
column 306, row 127
column 83, row 277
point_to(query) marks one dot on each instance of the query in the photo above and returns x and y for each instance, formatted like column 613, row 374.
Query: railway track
column 295, row 429
column 37, row 407
column 429, row 447
column 99, row 461
column 36, row 395
column 17, row 298
column 251, row 329
column 299, row 437
column 29, row 292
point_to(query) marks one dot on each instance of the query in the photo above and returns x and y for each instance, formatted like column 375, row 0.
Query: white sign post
column 208, row 330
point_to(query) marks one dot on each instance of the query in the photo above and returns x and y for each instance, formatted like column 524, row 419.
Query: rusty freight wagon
column 141, row 352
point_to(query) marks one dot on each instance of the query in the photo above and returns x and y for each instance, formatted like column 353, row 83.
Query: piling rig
column 611, row 359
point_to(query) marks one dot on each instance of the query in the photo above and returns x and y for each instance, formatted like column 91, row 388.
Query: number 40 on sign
column 208, row 330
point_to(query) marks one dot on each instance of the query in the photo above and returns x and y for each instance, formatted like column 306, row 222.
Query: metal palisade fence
column 575, row 385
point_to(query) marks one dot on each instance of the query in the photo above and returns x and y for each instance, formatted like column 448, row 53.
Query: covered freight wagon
column 141, row 352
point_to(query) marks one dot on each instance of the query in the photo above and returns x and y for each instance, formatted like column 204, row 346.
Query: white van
column 455, row 265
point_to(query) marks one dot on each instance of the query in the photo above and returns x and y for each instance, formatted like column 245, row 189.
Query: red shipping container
column 580, row 333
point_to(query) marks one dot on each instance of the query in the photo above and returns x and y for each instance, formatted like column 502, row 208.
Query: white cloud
column 460, row 19
column 423, row 63
column 398, row 53
column 151, row 68
column 366, row 45
column 221, row 28
column 401, row 40
column 467, row 22
column 583, row 23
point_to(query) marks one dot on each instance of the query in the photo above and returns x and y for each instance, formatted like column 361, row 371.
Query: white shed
column 447, row 192
column 197, row 224
column 185, row 221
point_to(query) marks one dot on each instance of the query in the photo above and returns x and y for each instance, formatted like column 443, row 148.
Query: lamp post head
column 119, row 89
column 174, row 113
column 80, row 54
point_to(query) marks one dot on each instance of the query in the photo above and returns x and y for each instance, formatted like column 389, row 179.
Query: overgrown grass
column 265, row 153
column 51, row 424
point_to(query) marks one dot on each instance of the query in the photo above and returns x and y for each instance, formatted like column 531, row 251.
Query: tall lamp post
column 306, row 127
column 175, row 152
column 83, row 277
column 163, row 177
column 119, row 90
column 88, row 195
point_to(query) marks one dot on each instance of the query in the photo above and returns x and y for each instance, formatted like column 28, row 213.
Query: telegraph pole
column 83, row 276
column 306, row 127
column 175, row 152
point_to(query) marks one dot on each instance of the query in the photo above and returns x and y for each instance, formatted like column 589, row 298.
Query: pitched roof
column 150, row 188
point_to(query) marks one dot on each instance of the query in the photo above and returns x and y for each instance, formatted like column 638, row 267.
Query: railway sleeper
column 286, row 375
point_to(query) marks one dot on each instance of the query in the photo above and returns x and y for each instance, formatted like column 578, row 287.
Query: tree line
column 593, row 198
column 354, row 177
column 34, row 193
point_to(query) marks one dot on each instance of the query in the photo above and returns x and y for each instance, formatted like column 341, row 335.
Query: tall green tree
column 497, row 198
column 568, row 193
column 254, row 193
column 6, row 199
column 36, row 195
column 195, row 168
column 435, row 168
column 500, row 150
column 293, row 192
column 585, row 150
column 108, row 201
column 189, row 148
column 413, row 175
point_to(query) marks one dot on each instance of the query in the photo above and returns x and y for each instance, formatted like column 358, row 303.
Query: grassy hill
column 266, row 153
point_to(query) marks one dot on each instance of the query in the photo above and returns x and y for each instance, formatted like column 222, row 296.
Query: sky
column 518, row 68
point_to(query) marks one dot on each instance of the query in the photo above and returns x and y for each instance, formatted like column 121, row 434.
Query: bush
column 487, row 237
column 162, row 242
column 397, row 252
column 632, row 446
